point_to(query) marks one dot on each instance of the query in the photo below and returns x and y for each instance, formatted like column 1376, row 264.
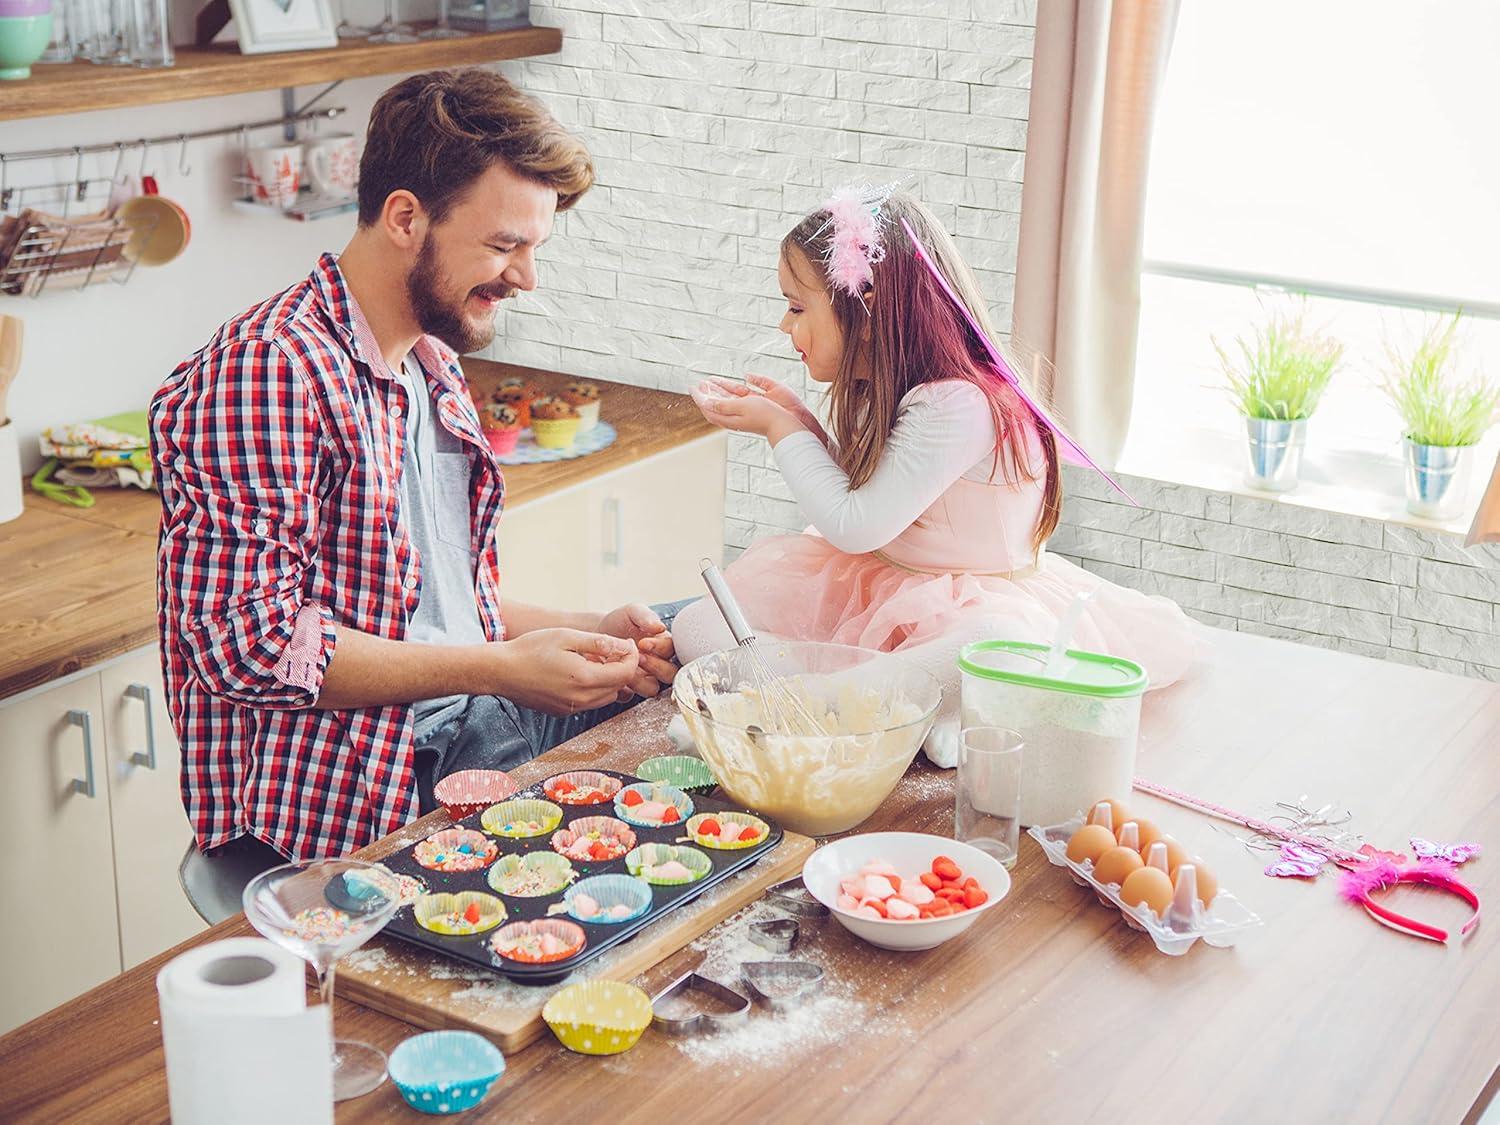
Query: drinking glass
column 347, row 30
column 442, row 30
column 322, row 911
column 390, row 31
column 151, row 33
column 987, row 810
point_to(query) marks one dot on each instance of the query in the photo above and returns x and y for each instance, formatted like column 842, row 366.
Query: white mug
column 333, row 164
column 275, row 173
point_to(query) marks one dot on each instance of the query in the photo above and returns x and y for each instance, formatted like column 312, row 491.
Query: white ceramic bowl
column 910, row 853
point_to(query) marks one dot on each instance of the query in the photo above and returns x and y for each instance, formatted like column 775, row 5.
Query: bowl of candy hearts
column 905, row 890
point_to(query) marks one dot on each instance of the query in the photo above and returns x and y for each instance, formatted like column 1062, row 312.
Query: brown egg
column 1149, row 834
column 1090, row 842
column 1148, row 885
column 1115, row 864
column 1118, row 814
column 1208, row 884
column 1176, row 853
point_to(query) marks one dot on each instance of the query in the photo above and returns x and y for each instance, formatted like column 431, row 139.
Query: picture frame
column 264, row 26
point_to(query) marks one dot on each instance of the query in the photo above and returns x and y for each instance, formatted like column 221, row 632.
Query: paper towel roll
column 12, row 500
column 240, row 1042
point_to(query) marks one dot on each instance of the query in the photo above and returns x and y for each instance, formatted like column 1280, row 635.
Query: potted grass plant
column 1443, row 416
column 1276, row 378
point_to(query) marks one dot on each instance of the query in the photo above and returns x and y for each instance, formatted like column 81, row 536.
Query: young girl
column 934, row 494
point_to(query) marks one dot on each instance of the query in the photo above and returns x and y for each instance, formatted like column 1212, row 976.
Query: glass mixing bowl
column 875, row 708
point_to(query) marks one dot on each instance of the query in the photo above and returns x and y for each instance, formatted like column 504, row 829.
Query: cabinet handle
column 84, row 784
column 613, row 531
column 148, row 759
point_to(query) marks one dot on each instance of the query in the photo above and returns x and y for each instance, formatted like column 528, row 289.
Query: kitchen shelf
column 207, row 72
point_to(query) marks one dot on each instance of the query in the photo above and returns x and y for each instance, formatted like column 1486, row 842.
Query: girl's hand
column 731, row 406
column 785, row 397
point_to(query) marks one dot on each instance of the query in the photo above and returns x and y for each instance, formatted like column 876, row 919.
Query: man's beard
column 439, row 317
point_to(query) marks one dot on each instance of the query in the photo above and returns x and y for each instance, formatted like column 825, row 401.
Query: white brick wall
column 1263, row 566
column 715, row 125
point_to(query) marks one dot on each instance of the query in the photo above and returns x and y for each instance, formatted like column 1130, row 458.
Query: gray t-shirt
column 435, row 508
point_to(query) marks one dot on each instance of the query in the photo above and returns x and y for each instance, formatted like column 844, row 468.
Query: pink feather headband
column 855, row 246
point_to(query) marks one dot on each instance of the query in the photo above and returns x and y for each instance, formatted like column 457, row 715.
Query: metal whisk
column 784, row 711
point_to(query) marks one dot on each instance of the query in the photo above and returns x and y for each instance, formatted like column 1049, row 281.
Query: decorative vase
column 1437, row 479
column 1275, row 449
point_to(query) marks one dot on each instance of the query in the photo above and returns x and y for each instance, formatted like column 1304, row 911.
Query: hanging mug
column 275, row 173
column 333, row 164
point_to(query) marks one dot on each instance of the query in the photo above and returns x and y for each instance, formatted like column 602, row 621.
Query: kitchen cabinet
column 635, row 534
column 91, row 836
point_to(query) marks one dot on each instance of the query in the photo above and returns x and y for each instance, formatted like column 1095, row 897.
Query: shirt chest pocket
column 450, row 498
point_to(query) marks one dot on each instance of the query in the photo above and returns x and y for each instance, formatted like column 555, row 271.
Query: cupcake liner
column 445, row 1071
column 654, row 855
column 432, row 913
column 533, row 875
column 581, row 787
column 656, row 793
column 616, row 835
column 598, row 1017
column 456, row 849
column 742, row 819
column 608, row 900
column 588, row 415
column 466, row 792
column 503, row 442
column 520, row 820
column 691, row 775
column 554, row 433
column 569, row 936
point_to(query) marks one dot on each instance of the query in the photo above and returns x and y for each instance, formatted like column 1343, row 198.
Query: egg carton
column 1185, row 921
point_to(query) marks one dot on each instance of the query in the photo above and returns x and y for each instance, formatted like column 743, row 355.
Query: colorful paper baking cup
column 608, row 900
column 691, row 775
column 554, row 433
column 503, row 442
column 519, row 820
column 460, row 914
column 743, row 820
column 581, row 787
column 616, row 835
column 539, row 942
column 653, row 793
column 598, row 1017
column 644, row 861
column 532, row 875
column 456, row 849
column 466, row 792
column 445, row 1071
column 588, row 415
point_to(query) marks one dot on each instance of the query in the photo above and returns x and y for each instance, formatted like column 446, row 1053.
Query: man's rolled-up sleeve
column 238, row 444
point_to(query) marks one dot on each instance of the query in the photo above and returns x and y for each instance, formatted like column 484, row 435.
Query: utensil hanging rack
column 37, row 249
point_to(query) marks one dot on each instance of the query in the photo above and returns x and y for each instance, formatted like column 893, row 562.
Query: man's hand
column 564, row 671
column 655, row 652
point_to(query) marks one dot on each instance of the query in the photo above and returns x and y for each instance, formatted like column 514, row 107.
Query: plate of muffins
column 526, row 427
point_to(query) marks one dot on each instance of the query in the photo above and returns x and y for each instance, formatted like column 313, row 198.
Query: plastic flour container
column 1079, row 725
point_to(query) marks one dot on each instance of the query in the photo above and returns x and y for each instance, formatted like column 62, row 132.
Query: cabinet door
column 542, row 555
column 59, row 935
column 650, row 525
column 151, row 830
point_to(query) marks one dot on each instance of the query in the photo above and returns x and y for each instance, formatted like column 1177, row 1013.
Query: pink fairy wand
column 1071, row 449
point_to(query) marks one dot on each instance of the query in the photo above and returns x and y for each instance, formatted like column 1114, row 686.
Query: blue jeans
column 493, row 733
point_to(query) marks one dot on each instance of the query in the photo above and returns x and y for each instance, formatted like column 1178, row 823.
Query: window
column 1345, row 148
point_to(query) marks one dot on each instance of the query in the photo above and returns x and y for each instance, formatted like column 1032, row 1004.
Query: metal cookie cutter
column 780, row 985
column 777, row 935
column 794, row 896
column 700, row 1022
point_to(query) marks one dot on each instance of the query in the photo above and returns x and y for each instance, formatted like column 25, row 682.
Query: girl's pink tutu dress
column 930, row 554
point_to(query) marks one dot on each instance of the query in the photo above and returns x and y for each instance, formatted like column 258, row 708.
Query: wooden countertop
column 1049, row 1008
column 78, row 585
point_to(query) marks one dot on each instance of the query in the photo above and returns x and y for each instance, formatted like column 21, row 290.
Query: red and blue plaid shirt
column 278, row 449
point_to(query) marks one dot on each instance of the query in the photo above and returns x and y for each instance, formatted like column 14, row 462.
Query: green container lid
column 1023, row 663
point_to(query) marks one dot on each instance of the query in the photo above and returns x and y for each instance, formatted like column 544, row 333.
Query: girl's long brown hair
column 911, row 334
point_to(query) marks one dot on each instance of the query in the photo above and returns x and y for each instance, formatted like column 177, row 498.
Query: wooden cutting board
column 434, row 992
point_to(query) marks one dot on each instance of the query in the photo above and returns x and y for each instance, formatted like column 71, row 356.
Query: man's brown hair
column 434, row 134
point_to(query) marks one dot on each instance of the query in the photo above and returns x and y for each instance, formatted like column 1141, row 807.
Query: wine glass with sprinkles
column 323, row 911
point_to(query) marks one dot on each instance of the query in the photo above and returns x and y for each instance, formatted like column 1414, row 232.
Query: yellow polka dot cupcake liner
column 521, row 819
column 598, row 1017
column 554, row 433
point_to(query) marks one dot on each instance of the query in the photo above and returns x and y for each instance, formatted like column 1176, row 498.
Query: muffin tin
column 476, row 949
